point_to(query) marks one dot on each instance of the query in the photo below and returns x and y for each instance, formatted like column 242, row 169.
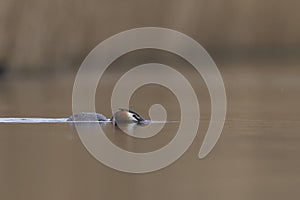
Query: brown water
column 257, row 156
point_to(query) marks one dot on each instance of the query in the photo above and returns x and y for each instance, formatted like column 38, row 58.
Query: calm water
column 257, row 156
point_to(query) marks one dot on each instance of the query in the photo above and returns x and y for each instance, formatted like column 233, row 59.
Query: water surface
column 257, row 156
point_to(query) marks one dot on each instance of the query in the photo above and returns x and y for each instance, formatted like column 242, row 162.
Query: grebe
column 124, row 116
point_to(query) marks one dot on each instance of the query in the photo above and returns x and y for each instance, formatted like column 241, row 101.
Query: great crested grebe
column 126, row 116
column 121, row 116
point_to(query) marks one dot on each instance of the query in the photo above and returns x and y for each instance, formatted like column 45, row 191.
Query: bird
column 122, row 116
column 125, row 116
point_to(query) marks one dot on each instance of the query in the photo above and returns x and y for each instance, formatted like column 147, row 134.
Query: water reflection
column 133, row 137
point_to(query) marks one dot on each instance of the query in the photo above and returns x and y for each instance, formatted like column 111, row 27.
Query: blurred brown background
column 256, row 46
column 57, row 35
